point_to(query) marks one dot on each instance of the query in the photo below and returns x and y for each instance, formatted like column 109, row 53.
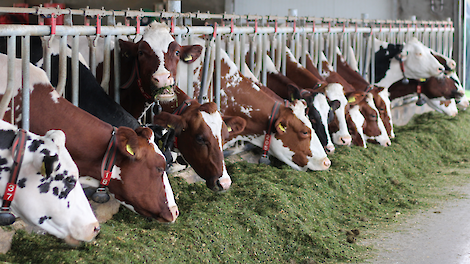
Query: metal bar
column 25, row 56
column 106, row 63
column 75, row 71
column 62, row 65
column 242, row 53
column 264, row 53
column 46, row 56
column 190, row 73
column 283, row 54
column 217, row 74
column 11, row 52
column 117, row 71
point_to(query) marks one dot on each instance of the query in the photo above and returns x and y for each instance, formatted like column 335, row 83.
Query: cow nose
column 326, row 163
column 330, row 149
column 174, row 213
column 162, row 79
column 388, row 143
column 346, row 140
column 97, row 229
column 224, row 183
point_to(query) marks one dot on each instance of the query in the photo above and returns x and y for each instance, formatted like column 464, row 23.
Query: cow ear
column 281, row 126
column 172, row 121
column 48, row 165
column 190, row 53
column 293, row 91
column 128, row 142
column 335, row 104
column 235, row 124
column 128, row 50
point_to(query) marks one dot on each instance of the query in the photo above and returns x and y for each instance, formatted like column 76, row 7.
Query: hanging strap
column 109, row 160
column 17, row 150
column 267, row 137
column 135, row 74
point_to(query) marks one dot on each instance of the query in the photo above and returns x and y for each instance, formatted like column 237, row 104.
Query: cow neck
column 87, row 136
column 17, row 149
column 136, row 76
column 179, row 111
column 267, row 137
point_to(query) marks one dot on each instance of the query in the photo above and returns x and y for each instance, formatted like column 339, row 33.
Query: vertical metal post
column 242, row 53
column 190, row 72
column 75, row 70
column 264, row 53
column 217, row 70
column 25, row 55
column 117, row 71
column 106, row 63
column 46, row 56
column 283, row 53
column 11, row 54
column 62, row 65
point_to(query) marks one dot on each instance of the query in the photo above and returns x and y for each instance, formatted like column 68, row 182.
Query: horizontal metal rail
column 304, row 35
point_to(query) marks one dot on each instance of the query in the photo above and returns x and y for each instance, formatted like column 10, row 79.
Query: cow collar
column 420, row 100
column 17, row 149
column 402, row 68
column 107, row 164
column 178, row 111
column 267, row 138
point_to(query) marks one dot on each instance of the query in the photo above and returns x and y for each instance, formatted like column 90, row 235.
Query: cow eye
column 200, row 140
column 177, row 53
column 140, row 53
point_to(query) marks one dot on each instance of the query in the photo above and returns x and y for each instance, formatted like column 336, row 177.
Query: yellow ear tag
column 422, row 80
column 129, row 149
column 188, row 57
column 169, row 126
column 229, row 129
column 352, row 99
column 43, row 170
column 283, row 129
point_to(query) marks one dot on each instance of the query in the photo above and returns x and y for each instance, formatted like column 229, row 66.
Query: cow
column 373, row 127
column 45, row 192
column 148, row 70
column 395, row 62
column 284, row 131
column 305, row 79
column 200, row 126
column 350, row 74
column 320, row 110
column 138, row 178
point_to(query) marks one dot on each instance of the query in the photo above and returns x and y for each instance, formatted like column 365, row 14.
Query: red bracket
column 98, row 24
column 232, row 26
column 137, row 28
column 215, row 30
column 53, row 24
column 172, row 25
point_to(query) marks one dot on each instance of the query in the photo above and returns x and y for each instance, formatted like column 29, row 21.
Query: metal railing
column 236, row 34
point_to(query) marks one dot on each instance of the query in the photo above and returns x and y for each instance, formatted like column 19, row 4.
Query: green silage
column 277, row 214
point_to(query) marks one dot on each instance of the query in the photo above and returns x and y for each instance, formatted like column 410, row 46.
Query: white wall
column 376, row 9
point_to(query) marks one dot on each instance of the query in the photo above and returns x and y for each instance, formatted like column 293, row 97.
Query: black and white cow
column 47, row 194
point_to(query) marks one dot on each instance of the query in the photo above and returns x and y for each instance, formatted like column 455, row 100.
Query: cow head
column 411, row 60
column 139, row 180
column 447, row 107
column 200, row 133
column 374, row 129
column 320, row 112
column 339, row 128
column 48, row 194
column 156, row 56
column 295, row 141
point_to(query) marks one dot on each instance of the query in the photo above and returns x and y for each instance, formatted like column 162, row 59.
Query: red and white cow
column 292, row 139
column 138, row 178
column 350, row 74
column 148, row 70
column 304, row 78
column 394, row 62
column 46, row 192
column 319, row 109
column 373, row 126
